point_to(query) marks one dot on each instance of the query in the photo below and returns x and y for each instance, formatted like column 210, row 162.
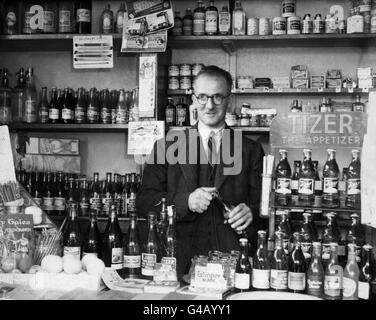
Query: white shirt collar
column 205, row 131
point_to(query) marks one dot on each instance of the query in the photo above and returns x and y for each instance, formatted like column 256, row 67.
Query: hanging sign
column 302, row 130
column 147, row 85
column 6, row 156
column 93, row 52
column 142, row 135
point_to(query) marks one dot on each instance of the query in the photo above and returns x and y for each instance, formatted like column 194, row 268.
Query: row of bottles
column 274, row 270
column 303, row 187
column 54, row 191
column 21, row 103
column 326, row 105
column 177, row 114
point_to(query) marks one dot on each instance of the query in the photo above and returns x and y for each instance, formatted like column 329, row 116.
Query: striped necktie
column 212, row 149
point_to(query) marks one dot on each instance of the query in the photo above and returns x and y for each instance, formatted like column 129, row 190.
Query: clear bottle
column 315, row 272
column 83, row 16
column 119, row 21
column 18, row 97
column 199, row 19
column 169, row 241
column 126, row 190
column 224, row 21
column 163, row 220
column 351, row 275
column 122, row 112
column 66, row 17
column 243, row 269
column 283, row 180
column 5, row 99
column 238, row 19
column 211, row 19
column 177, row 30
column 306, row 180
column 30, row 93
column 92, row 244
column 107, row 20
column 151, row 252
column 308, row 234
column 279, row 265
column 286, row 228
column 188, row 23
column 132, row 195
column 330, row 235
column 43, row 107
column 358, row 105
column 297, row 268
column 132, row 250
column 356, row 235
column 333, row 276
column 330, row 181
column 261, row 264
column 93, row 107
column 353, row 181
column 72, row 240
column 113, row 254
column 53, row 109
column 367, row 273
column 11, row 21
column 80, row 107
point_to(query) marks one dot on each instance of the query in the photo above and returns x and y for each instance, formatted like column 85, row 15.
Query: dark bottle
column 65, row 22
column 67, row 109
column 80, row 107
column 353, row 182
column 59, row 200
column 72, row 240
column 330, row 235
column 308, row 234
column 306, row 180
column 83, row 17
column 261, row 264
column 285, row 227
column 107, row 194
column 117, row 187
column 53, row 108
column 318, row 182
column 188, row 23
column 48, row 194
column 84, row 199
column 162, row 221
column 30, row 95
column 37, row 190
column 170, row 242
column 18, row 96
column 59, row 104
column 93, row 107
column 333, row 275
column 330, row 175
column 315, row 272
column 182, row 113
column 43, row 107
column 92, row 243
column 107, row 20
column 29, row 187
column 297, row 268
column 177, row 30
column 72, row 192
column 151, row 252
column 119, row 22
column 113, row 101
column 105, row 108
column 170, row 113
column 132, row 250
column 279, row 265
column 367, row 273
column 113, row 242
column 243, row 269
column 126, row 189
column 95, row 194
column 283, row 180
column 199, row 19
column 295, row 183
column 49, row 17
column 356, row 235
column 11, row 23
column 211, row 19
column 132, row 195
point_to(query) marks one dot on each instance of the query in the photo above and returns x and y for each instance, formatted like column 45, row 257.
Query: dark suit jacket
column 177, row 181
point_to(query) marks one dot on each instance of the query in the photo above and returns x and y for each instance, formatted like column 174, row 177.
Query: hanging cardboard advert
column 7, row 172
column 93, row 52
column 147, row 85
column 142, row 135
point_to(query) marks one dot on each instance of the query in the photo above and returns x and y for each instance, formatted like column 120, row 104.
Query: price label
column 350, row 90
column 280, row 89
column 338, row 90
column 365, row 89
column 320, row 89
column 298, row 90
column 188, row 91
column 266, row 89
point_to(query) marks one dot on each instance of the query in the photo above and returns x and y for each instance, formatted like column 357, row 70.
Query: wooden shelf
column 323, row 209
column 80, row 218
column 255, row 130
column 41, row 127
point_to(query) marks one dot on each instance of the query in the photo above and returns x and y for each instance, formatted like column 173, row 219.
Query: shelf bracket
column 229, row 46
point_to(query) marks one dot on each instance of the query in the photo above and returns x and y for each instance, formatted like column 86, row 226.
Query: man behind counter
column 189, row 185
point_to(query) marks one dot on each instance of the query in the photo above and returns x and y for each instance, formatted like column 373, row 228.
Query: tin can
column 307, row 26
column 252, row 26
column 244, row 120
column 288, row 8
column 279, row 25
column 231, row 119
column 318, row 24
column 196, row 68
column 293, row 25
column 185, row 83
column 185, row 70
column 264, row 27
column 173, row 70
column 173, row 83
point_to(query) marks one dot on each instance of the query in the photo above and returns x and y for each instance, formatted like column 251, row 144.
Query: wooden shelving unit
column 41, row 127
column 255, row 130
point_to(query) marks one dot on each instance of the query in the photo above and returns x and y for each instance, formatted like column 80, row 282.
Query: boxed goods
column 317, row 81
column 334, row 79
column 281, row 82
column 48, row 146
column 299, row 77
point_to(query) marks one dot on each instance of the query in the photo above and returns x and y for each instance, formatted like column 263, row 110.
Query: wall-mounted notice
column 93, row 52
column 147, row 85
column 6, row 157
column 142, row 135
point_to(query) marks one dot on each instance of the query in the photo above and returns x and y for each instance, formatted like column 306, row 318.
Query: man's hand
column 199, row 200
column 240, row 217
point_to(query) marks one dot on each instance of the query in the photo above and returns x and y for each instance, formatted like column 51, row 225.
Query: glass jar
column 244, row 120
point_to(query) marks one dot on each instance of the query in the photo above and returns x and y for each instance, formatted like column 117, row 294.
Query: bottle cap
column 354, row 215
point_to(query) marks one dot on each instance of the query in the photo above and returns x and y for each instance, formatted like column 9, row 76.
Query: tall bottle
column 261, row 264
column 297, row 268
column 18, row 97
column 224, row 21
column 105, row 108
column 83, row 17
column 177, row 30
column 151, row 252
column 238, row 19
column 163, row 220
column 199, row 19
column 351, row 275
column 80, row 107
column 38, row 190
column 132, row 250
column 48, row 194
column 72, row 240
column 132, row 195
column 113, row 242
column 95, row 194
column 331, row 178
column 107, row 20
column 295, row 183
column 279, row 265
column 30, row 106
column 306, row 180
column 211, row 19
column 5, row 98
column 356, row 235
column 11, row 23
column 353, row 181
column 93, row 107
column 308, row 234
column 43, row 107
column 59, row 104
column 170, row 112
column 315, row 272
column 53, row 109
column 92, row 244
column 125, row 195
column 59, row 199
column 188, row 23
column 67, row 111
column 285, row 227
column 72, row 192
column 318, row 182
column 84, row 199
column 329, row 236
column 243, row 269
column 122, row 114
column 367, row 273
column 333, row 275
column 283, row 180
column 107, row 194
column 65, row 24
column 169, row 241
column 119, row 20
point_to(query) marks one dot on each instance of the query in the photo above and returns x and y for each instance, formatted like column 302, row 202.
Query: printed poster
column 142, row 136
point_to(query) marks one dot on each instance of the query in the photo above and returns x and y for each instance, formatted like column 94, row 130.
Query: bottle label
column 64, row 20
column 43, row 114
column 92, row 114
column 341, row 250
column 79, row 114
column 59, row 204
column 318, row 185
column 30, row 111
column 117, row 258
column 169, row 261
column 296, row 280
column 132, row 261
column 278, row 279
column 294, row 184
column 170, row 116
column 94, row 254
column 148, row 264
column 306, row 186
column 224, row 22
column 199, row 23
column 107, row 22
column 84, row 206
column 315, row 285
column 238, row 21
column 283, row 186
column 95, row 203
column 10, row 19
column 242, row 281
column 132, row 203
column 332, row 286
column 49, row 21
column 53, row 114
column 119, row 22
column 261, row 279
column 363, row 290
column 48, row 203
column 106, row 115
column 288, row 9
column 353, row 186
column 211, row 20
column 83, row 15
column 38, row 201
column 331, row 185
column 67, row 114
column 28, row 16
column 72, row 251
column 181, row 114
column 306, row 248
column 349, row 287
column 106, row 204
column 325, row 256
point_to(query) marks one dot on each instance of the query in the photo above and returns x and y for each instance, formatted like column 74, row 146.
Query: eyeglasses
column 216, row 98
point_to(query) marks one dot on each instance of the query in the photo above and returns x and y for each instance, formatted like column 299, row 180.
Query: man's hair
column 215, row 71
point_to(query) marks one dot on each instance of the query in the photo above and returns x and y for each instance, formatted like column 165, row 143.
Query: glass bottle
column 30, row 93
column 306, row 180
column 353, row 181
column 286, row 228
column 151, row 252
column 211, row 19
column 37, row 190
column 351, row 275
column 84, row 199
column 132, row 195
column 5, row 99
column 107, row 20
column 199, row 19
column 107, row 194
column 126, row 190
column 11, row 23
column 331, row 178
column 95, row 194
column 295, row 183
column 224, row 21
column 65, row 24
column 181, row 113
column 177, row 30
column 49, row 17
column 80, row 107
column 67, row 113
column 43, row 107
column 315, row 272
column 238, row 19
column 59, row 199
column 72, row 192
column 169, row 241
column 122, row 112
column 114, row 100
column 188, row 23
column 113, row 242
column 356, row 235
column 72, row 240
column 132, row 251
column 18, row 97
column 163, row 220
column 297, row 268
column 367, row 273
column 330, row 235
column 119, row 20
column 358, row 105
column 83, row 17
column 279, row 265
column 318, row 182
column 283, row 180
column 53, row 110
column 92, row 244
column 170, row 112
column 48, row 194
column 261, row 264
column 93, row 107
column 59, row 105
column 333, row 275
column 308, row 234
column 243, row 269
column 105, row 108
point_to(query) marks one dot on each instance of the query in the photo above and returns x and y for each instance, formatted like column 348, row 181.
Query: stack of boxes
column 364, row 77
column 299, row 77
column 334, row 79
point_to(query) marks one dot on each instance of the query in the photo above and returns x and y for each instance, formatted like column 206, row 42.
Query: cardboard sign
column 7, row 172
column 147, row 85
column 142, row 135
column 209, row 276
column 320, row 130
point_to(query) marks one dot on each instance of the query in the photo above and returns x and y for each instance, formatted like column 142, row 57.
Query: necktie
column 212, row 149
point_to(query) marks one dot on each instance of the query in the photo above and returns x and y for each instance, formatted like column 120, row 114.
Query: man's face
column 210, row 114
